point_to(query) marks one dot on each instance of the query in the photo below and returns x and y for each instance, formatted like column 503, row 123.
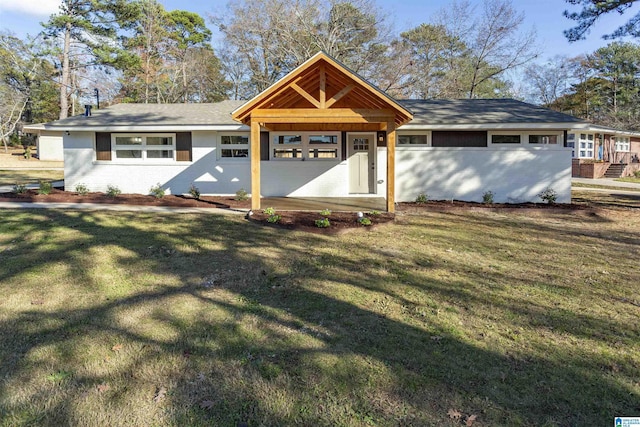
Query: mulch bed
column 305, row 221
column 292, row 220
column 178, row 201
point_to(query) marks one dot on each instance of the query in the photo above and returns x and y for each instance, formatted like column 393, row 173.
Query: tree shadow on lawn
column 267, row 337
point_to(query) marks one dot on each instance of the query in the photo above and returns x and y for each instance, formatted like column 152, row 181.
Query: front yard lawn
column 629, row 179
column 443, row 318
column 12, row 177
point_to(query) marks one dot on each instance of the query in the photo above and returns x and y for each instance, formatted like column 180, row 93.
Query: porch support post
column 255, row 164
column 391, row 166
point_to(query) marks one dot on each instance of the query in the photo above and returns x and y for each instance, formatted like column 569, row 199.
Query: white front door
column 361, row 163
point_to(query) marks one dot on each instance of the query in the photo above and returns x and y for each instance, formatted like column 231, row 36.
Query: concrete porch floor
column 336, row 204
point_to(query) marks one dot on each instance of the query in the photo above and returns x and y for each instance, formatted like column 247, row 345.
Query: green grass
column 629, row 179
column 11, row 177
column 113, row 318
column 610, row 199
column 603, row 187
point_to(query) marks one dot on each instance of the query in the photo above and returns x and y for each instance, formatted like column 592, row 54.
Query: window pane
column 590, row 137
column 505, row 139
column 582, row 153
column 323, row 139
column 234, row 139
column 288, row 153
column 583, row 136
column 128, row 140
column 543, row 139
column 160, row 154
column 229, row 152
column 571, row 136
column 159, row 140
column 287, row 139
column 128, row 154
column 323, row 153
column 412, row 139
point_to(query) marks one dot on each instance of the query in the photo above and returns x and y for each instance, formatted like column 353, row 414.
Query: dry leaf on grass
column 454, row 414
column 117, row 347
column 103, row 387
column 471, row 419
column 160, row 394
column 207, row 404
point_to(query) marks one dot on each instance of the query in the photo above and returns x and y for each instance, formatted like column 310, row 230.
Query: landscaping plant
column 487, row 197
column 194, row 191
column 113, row 191
column 548, row 195
column 45, row 187
column 82, row 189
column 157, row 191
column 422, row 198
column 242, row 195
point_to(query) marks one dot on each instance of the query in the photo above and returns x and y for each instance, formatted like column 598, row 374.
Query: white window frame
column 623, row 146
column 412, row 133
column 559, row 140
column 586, row 150
column 305, row 146
column 222, row 146
column 490, row 135
column 143, row 148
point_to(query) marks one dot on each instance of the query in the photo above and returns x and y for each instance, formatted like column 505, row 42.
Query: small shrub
column 19, row 189
column 274, row 218
column 242, row 195
column 323, row 223
column 364, row 221
column 374, row 213
column 325, row 212
column 44, row 187
column 82, row 189
column 27, row 153
column 269, row 211
column 113, row 191
column 548, row 195
column 487, row 197
column 636, row 174
column 157, row 191
column 194, row 192
column 422, row 198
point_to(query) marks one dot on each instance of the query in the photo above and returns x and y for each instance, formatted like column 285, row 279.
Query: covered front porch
column 334, row 204
column 291, row 121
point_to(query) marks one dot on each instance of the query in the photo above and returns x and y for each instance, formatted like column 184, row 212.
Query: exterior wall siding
column 49, row 146
column 515, row 175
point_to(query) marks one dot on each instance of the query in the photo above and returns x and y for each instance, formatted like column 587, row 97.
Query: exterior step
column 614, row 170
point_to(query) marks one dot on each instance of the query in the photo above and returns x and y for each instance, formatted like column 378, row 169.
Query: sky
column 23, row 17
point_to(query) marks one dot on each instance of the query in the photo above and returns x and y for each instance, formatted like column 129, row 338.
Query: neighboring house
column 48, row 142
column 323, row 131
column 600, row 151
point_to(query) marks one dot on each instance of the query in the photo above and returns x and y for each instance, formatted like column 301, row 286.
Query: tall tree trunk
column 64, row 84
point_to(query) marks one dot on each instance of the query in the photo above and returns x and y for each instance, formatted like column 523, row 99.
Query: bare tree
column 271, row 37
column 495, row 40
column 549, row 81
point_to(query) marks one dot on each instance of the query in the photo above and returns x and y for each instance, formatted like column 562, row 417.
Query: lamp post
column 97, row 92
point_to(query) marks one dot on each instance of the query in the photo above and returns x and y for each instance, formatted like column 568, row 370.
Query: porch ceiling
column 319, row 92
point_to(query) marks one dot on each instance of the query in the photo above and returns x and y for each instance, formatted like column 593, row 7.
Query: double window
column 532, row 137
column 586, row 145
column 233, row 146
column 144, row 147
column 305, row 145
column 413, row 139
column 622, row 144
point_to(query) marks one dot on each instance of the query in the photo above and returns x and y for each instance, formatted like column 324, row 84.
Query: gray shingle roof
column 426, row 112
column 481, row 111
column 179, row 115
